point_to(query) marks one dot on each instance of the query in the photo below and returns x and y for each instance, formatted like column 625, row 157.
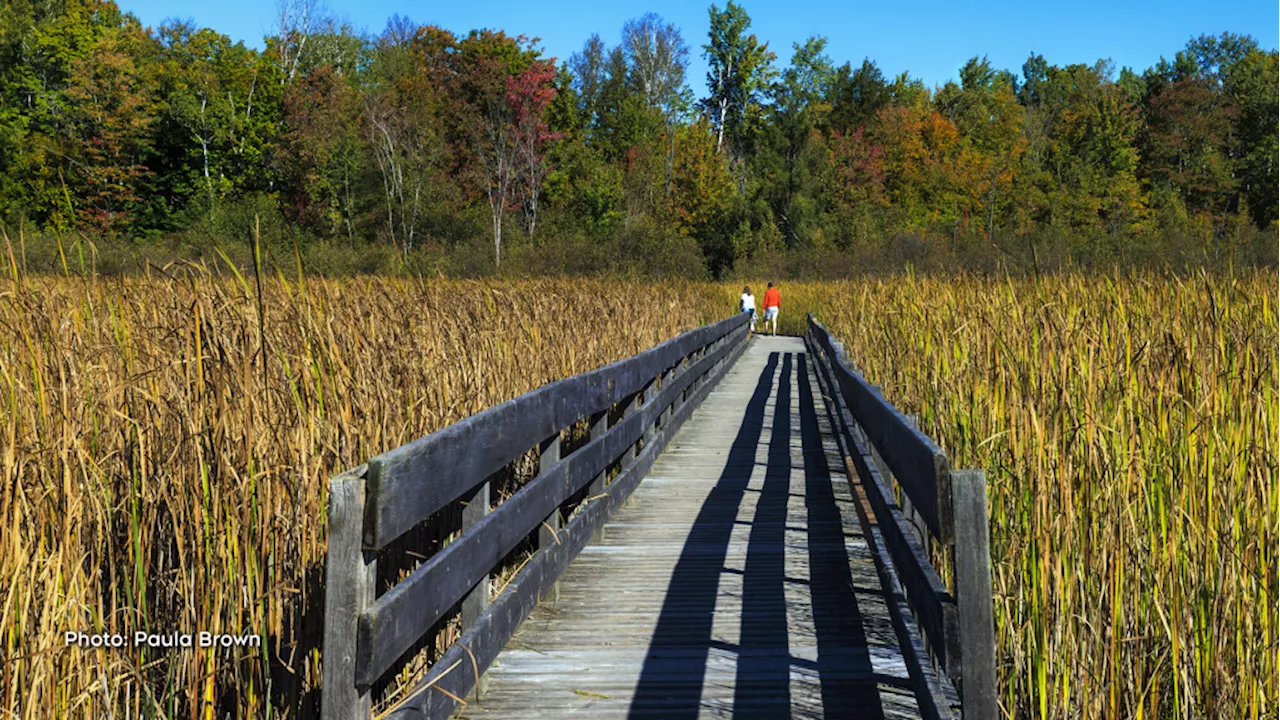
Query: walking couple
column 772, row 302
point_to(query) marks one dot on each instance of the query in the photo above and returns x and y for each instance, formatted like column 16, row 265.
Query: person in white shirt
column 749, row 305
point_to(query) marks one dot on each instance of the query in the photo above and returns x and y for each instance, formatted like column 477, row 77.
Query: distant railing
column 366, row 634
column 937, row 631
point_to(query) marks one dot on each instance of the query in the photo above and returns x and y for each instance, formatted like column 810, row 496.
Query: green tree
column 44, row 167
column 218, row 113
column 657, row 58
column 789, row 163
column 1212, row 57
column 1251, row 83
column 987, row 114
column 403, row 128
column 589, row 71
column 741, row 69
column 857, row 96
column 110, row 113
column 624, row 124
column 322, row 152
column 702, row 193
column 1186, row 146
column 1081, row 161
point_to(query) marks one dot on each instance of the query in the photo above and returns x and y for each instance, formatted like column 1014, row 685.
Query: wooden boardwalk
column 735, row 583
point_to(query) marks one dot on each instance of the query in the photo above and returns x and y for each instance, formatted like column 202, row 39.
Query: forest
column 416, row 149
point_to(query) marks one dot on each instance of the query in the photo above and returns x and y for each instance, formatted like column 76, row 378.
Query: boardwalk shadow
column 674, row 673
column 762, row 687
column 674, row 670
column 844, row 667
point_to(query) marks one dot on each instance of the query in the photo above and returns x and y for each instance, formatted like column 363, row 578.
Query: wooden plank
column 548, row 533
column 453, row 673
column 840, row 422
column 973, row 590
column 629, row 413
column 918, row 464
column 348, row 588
column 476, row 508
column 599, row 426
column 396, row 620
column 476, row 600
column 908, row 510
column 405, row 485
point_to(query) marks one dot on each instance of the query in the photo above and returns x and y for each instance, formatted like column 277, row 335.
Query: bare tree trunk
column 724, row 108
column 347, row 200
column 297, row 22
column 724, row 105
column 497, row 240
column 208, row 179
column 384, row 146
column 532, row 214
column 413, row 216
column 669, row 163
column 391, row 216
column 499, row 164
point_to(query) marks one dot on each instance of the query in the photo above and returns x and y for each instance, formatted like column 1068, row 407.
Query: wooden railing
column 646, row 396
column 908, row 499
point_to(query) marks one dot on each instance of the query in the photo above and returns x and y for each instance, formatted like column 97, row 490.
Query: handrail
column 883, row 448
column 366, row 634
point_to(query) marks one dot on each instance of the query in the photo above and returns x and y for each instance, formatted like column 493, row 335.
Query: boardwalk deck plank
column 735, row 583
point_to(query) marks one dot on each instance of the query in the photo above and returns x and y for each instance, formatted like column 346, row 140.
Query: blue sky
column 930, row 39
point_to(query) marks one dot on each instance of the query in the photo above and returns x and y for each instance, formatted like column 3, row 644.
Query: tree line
column 479, row 151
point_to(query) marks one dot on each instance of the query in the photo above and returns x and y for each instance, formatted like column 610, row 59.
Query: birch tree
column 657, row 58
column 402, row 130
column 739, row 73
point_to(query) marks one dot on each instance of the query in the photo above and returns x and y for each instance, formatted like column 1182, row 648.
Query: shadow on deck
column 736, row 583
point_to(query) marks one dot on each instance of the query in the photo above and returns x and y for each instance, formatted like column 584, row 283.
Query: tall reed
column 166, row 443
column 1128, row 427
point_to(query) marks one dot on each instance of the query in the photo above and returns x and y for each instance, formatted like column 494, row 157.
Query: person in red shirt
column 772, row 303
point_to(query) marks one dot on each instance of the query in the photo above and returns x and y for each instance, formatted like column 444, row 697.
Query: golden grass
column 166, row 446
column 166, row 443
column 1128, row 428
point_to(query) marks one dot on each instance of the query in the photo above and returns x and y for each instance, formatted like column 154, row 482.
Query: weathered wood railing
column 936, row 629
column 367, row 634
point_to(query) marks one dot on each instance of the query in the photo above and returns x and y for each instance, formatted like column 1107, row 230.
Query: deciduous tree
column 529, row 95
column 741, row 69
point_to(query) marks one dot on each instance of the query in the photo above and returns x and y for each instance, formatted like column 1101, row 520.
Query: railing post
column 476, row 601
column 705, row 377
column 599, row 426
column 687, row 362
column 909, row 511
column 548, row 532
column 681, row 368
column 665, row 415
column 973, row 594
column 650, row 390
column 350, row 583
column 630, row 454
